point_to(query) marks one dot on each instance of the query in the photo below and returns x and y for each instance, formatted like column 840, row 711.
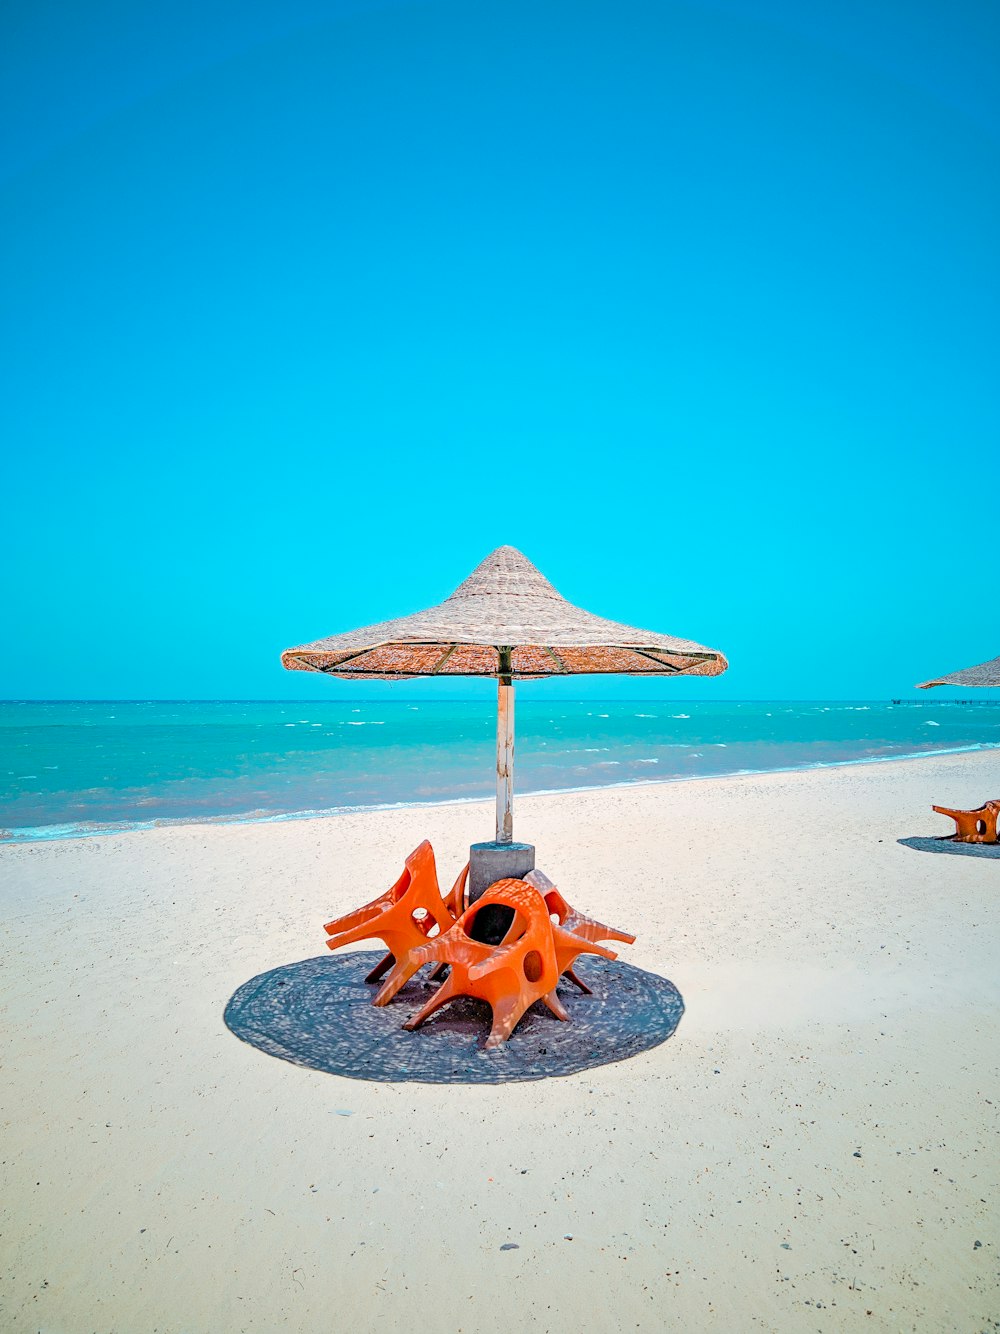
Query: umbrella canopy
column 506, row 620
column 505, row 609
column 985, row 674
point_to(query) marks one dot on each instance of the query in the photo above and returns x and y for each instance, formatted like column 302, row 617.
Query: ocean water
column 73, row 768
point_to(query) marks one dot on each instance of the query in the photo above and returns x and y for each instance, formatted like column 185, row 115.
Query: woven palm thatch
column 984, row 675
column 505, row 604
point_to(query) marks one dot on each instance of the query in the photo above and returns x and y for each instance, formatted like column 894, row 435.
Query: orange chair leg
column 507, row 1013
column 440, row 997
column 570, row 975
column 381, row 967
column 398, row 978
column 556, row 1006
column 456, row 898
column 612, row 933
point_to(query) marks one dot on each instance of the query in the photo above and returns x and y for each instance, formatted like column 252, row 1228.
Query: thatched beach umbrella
column 506, row 620
column 984, row 675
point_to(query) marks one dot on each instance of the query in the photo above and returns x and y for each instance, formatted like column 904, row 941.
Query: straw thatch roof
column 985, row 674
column 504, row 604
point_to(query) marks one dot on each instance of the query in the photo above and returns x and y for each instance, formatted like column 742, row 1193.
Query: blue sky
column 308, row 307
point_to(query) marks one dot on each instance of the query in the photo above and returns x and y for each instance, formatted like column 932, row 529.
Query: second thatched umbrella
column 984, row 675
column 506, row 620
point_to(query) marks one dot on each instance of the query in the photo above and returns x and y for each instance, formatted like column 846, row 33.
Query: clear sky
column 307, row 307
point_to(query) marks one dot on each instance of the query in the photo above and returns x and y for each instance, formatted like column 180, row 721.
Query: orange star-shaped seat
column 511, row 976
column 575, row 922
column 405, row 915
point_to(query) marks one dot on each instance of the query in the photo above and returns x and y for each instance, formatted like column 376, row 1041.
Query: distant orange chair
column 405, row 915
column 979, row 826
column 511, row 976
column 574, row 922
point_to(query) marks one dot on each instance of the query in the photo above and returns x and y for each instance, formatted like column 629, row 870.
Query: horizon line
column 589, row 699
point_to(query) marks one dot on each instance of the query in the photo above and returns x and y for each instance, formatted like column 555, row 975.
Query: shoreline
column 32, row 834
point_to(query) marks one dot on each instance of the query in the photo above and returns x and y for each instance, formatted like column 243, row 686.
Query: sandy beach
column 814, row 1149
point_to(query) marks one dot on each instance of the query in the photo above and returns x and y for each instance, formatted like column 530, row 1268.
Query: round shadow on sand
column 318, row 1013
column 946, row 843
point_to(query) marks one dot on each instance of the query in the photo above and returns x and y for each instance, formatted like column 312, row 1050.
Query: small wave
column 647, row 761
column 680, row 715
column 931, row 723
column 86, row 829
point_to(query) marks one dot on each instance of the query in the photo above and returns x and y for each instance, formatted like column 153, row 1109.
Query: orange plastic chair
column 416, row 956
column 400, row 965
column 404, row 915
column 575, row 922
column 979, row 826
column 511, row 976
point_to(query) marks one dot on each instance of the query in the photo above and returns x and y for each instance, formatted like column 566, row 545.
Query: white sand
column 843, row 998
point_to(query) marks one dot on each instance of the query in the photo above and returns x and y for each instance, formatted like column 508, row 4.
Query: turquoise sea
column 73, row 768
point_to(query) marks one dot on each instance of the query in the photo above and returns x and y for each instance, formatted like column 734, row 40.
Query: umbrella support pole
column 503, row 859
column 505, row 750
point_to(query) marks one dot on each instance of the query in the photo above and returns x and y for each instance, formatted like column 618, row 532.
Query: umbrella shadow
column 946, row 843
column 318, row 1013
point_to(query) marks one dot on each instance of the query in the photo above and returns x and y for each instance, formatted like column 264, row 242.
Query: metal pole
column 505, row 749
